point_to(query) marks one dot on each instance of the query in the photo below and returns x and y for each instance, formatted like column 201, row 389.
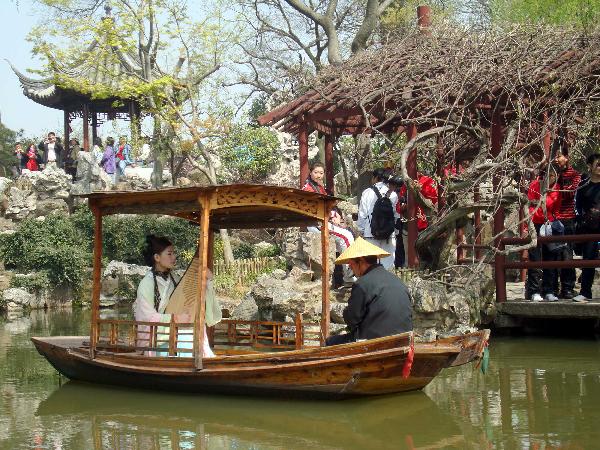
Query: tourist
column 33, row 161
column 342, row 236
column 379, row 304
column 396, row 184
column 123, row 156
column 108, row 159
column 569, row 180
column 21, row 159
column 541, row 284
column 587, row 204
column 70, row 159
column 386, row 220
column 52, row 150
column 156, row 287
column 97, row 150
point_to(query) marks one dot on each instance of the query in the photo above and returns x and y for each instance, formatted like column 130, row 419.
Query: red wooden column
column 477, row 224
column 424, row 18
column 329, row 139
column 411, row 205
column 67, row 129
column 86, row 128
column 303, row 144
column 497, row 136
column 94, row 128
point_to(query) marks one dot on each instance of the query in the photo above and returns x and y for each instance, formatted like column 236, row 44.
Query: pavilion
column 95, row 67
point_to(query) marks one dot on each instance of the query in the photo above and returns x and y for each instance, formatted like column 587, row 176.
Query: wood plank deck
column 516, row 307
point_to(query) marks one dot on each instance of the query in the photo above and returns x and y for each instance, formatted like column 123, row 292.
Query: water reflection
column 121, row 418
column 538, row 394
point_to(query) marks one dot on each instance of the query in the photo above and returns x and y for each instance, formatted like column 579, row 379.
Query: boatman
column 379, row 303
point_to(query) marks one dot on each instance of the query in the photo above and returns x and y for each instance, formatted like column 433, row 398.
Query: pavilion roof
column 422, row 79
column 94, row 67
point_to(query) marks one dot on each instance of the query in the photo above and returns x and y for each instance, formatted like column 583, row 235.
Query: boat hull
column 347, row 372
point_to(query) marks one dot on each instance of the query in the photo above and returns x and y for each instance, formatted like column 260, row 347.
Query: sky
column 18, row 112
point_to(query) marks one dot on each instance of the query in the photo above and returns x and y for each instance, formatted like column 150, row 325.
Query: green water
column 537, row 394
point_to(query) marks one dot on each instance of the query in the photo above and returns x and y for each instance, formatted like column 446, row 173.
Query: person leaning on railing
column 587, row 204
column 156, row 288
column 541, row 284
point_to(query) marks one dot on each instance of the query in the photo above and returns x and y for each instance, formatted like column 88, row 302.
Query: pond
column 538, row 393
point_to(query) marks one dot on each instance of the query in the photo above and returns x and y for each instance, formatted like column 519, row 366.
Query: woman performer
column 156, row 288
column 343, row 237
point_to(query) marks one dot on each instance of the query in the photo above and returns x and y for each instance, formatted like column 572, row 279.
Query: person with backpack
column 377, row 216
column 342, row 236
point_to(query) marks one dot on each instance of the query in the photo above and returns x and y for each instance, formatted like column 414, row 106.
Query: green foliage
column 250, row 153
column 580, row 13
column 61, row 246
column 32, row 282
column 243, row 250
column 54, row 246
column 257, row 109
column 268, row 252
column 8, row 138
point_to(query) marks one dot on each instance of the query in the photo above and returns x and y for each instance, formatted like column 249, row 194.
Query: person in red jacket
column 541, row 284
column 343, row 237
column 429, row 191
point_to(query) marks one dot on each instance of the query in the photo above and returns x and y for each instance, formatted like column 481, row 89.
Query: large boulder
column 5, row 184
column 51, row 182
column 303, row 249
column 90, row 176
column 287, row 172
column 21, row 204
column 245, row 310
column 17, row 298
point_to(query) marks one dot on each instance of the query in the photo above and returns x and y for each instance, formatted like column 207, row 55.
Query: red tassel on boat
column 409, row 359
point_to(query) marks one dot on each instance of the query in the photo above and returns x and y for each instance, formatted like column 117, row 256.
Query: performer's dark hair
column 154, row 246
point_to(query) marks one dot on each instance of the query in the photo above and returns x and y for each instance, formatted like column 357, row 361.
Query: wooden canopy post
column 411, row 205
column 325, row 275
column 203, row 244
column 497, row 137
column 96, row 279
column 86, row 129
column 303, row 147
column 329, row 140
column 424, row 18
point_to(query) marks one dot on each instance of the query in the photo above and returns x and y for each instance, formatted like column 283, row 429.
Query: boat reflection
column 124, row 419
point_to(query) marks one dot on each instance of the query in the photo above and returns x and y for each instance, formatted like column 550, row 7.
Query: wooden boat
column 114, row 353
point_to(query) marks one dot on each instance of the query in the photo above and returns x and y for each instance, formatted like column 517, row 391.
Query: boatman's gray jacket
column 379, row 305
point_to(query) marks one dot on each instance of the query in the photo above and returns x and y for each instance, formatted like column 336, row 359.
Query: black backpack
column 382, row 217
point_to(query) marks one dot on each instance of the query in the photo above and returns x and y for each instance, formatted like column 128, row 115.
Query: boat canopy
column 231, row 206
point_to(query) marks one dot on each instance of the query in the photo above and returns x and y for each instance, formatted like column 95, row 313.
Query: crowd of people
column 112, row 158
column 572, row 206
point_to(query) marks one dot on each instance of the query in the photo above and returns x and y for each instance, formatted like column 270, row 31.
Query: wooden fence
column 242, row 268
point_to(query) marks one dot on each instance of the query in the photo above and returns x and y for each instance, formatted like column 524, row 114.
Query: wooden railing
column 242, row 268
column 171, row 339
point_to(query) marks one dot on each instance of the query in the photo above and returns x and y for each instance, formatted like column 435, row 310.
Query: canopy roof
column 423, row 79
column 94, row 67
column 231, row 206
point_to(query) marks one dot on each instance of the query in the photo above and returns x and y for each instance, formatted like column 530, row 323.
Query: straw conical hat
column 359, row 248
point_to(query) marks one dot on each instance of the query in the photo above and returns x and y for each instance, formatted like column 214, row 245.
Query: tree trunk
column 227, row 251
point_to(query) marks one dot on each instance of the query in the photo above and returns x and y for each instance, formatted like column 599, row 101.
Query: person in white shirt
column 98, row 150
column 365, row 211
column 52, row 150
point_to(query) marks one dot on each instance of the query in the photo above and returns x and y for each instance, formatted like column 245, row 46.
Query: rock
column 279, row 274
column 5, row 185
column 90, row 176
column 17, row 298
column 287, row 172
column 303, row 250
column 120, row 281
column 301, row 275
column 21, row 204
column 246, row 309
column 51, row 206
column 7, row 225
column 277, row 299
column 336, row 312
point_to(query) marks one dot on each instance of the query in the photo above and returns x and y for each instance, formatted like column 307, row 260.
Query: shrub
column 268, row 252
column 32, row 282
column 243, row 250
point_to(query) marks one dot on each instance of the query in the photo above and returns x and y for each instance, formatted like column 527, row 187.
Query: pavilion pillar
column 497, row 137
column 411, row 205
column 94, row 128
column 86, row 128
column 329, row 139
column 303, row 145
column 67, row 129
